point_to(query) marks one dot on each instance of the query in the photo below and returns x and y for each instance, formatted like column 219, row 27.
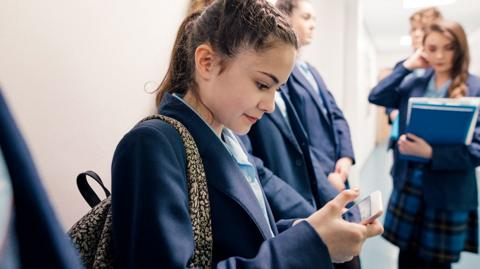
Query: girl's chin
column 241, row 130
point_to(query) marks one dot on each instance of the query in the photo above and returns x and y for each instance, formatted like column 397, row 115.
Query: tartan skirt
column 435, row 234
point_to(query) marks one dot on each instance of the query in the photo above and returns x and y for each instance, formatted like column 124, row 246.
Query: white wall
column 326, row 52
column 360, row 74
column 73, row 73
column 474, row 43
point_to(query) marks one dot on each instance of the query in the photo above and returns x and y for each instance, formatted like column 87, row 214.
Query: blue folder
column 442, row 121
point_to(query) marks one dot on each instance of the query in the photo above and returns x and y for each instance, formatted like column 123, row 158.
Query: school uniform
column 33, row 237
column 151, row 222
column 326, row 127
column 418, row 72
column 433, row 207
column 281, row 142
column 284, row 200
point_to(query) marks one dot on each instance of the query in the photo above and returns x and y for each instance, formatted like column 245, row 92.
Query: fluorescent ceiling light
column 426, row 3
column 405, row 41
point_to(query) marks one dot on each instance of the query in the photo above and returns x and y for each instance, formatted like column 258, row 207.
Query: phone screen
column 359, row 212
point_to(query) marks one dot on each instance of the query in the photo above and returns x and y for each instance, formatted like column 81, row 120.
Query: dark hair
column 229, row 26
column 287, row 6
column 198, row 5
column 461, row 57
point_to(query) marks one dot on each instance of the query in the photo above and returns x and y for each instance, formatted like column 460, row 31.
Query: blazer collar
column 228, row 180
column 421, row 84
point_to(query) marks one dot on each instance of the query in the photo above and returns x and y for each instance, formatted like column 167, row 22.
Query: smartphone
column 367, row 210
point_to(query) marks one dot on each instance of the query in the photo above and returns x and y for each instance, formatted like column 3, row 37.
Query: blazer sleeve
column 151, row 222
column 387, row 91
column 285, row 201
column 342, row 128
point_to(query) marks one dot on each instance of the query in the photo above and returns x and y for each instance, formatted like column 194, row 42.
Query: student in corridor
column 280, row 140
column 419, row 21
column 312, row 153
column 226, row 65
column 432, row 214
column 326, row 128
column 285, row 201
column 32, row 236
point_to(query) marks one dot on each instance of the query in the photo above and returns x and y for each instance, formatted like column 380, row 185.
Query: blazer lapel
column 298, row 76
column 284, row 127
column 221, row 169
column 271, row 219
column 296, row 125
column 421, row 85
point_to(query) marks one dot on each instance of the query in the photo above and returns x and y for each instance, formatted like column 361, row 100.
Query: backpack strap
column 199, row 203
column 86, row 190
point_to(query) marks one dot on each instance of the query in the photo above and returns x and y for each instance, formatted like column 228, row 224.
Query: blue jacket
column 284, row 199
column 328, row 133
column 284, row 148
column 151, row 222
column 41, row 241
column 449, row 179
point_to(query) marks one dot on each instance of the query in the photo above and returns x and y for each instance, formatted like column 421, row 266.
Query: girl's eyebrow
column 274, row 78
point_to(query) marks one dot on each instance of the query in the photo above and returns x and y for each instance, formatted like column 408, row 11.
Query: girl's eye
column 262, row 86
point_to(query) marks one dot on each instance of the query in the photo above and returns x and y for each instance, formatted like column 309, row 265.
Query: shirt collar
column 188, row 105
column 441, row 91
column 233, row 145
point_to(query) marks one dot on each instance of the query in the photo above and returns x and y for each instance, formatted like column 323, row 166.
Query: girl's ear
column 205, row 61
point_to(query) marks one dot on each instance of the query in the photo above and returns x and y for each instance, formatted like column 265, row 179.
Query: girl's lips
column 251, row 119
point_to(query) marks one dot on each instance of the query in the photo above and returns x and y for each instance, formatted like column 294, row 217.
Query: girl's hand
column 393, row 115
column 343, row 239
column 342, row 167
column 416, row 60
column 337, row 181
column 410, row 144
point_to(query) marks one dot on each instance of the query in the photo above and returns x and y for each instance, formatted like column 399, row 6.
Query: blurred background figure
column 426, row 217
column 419, row 21
column 31, row 236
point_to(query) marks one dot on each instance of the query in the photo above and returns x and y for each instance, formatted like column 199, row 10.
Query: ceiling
column 387, row 20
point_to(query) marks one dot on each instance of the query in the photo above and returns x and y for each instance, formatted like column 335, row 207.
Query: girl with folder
column 432, row 214
column 226, row 65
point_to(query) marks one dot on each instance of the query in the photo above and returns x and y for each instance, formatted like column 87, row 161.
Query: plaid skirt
column 435, row 234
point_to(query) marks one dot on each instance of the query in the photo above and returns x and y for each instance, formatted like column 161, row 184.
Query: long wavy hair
column 461, row 57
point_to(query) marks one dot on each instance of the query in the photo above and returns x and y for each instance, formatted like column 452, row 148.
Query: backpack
column 92, row 234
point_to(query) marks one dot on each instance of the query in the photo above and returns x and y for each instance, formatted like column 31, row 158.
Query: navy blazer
column 329, row 134
column 284, row 148
column 449, row 180
column 41, row 241
column 285, row 201
column 151, row 221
